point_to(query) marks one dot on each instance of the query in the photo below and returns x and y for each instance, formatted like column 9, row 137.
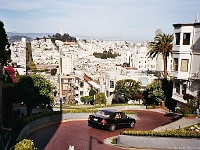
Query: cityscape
column 100, row 75
column 78, row 71
column 78, row 66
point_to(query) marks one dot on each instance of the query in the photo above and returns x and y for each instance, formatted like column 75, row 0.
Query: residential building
column 18, row 56
column 139, row 59
column 186, row 61
column 67, row 63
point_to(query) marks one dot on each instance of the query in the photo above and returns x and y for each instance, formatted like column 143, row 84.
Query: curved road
column 82, row 137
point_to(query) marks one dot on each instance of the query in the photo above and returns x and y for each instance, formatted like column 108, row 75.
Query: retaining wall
column 158, row 142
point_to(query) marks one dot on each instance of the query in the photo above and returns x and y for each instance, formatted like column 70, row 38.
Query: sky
column 135, row 20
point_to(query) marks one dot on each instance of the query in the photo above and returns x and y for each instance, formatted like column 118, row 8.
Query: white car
column 58, row 102
column 131, row 102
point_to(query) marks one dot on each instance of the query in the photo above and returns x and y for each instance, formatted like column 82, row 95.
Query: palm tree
column 162, row 44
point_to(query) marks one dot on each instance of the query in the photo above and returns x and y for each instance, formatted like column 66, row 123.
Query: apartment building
column 139, row 59
column 18, row 56
column 68, row 63
column 186, row 61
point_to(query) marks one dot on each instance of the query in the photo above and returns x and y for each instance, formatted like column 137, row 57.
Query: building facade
column 186, row 61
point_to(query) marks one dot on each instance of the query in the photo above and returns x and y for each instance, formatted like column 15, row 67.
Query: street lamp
column 60, row 84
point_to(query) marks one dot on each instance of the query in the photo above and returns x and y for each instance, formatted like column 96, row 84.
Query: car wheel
column 132, row 125
column 112, row 128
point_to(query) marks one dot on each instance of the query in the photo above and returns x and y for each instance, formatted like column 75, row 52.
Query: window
column 123, row 115
column 175, row 64
column 186, row 38
column 111, row 84
column 177, row 87
column 184, row 65
column 117, row 115
column 184, row 87
column 177, row 36
column 81, row 84
column 81, row 93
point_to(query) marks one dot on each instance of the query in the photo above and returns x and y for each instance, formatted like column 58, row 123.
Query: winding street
column 77, row 133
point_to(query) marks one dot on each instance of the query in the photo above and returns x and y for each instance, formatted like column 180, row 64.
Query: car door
column 118, row 120
column 124, row 120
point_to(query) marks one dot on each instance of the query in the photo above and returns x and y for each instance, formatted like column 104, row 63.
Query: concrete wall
column 158, row 142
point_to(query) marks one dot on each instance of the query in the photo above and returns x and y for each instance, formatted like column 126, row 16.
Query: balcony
column 179, row 75
column 179, row 98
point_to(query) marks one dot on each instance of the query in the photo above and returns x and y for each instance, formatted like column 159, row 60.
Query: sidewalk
column 181, row 123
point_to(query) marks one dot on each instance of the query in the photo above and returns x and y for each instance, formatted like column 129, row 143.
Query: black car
column 110, row 119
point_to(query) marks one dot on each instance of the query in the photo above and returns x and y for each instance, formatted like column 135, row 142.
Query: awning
column 179, row 98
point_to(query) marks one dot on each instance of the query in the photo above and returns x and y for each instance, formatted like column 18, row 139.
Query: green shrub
column 190, row 115
column 171, row 133
column 80, row 110
column 114, row 140
column 86, row 99
column 25, row 144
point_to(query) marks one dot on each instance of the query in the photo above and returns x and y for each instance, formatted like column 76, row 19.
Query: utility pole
column 1, row 82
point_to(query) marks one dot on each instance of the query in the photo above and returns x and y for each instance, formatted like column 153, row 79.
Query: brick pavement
column 77, row 133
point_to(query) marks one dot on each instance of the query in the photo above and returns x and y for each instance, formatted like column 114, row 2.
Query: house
column 186, row 61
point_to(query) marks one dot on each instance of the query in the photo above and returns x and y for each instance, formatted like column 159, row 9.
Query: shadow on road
column 93, row 139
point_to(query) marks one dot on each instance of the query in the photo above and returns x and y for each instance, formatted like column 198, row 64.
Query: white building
column 186, row 61
column 18, row 56
column 140, row 61
column 67, row 63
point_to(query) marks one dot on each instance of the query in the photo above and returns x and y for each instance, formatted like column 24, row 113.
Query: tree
column 5, row 52
column 45, row 88
column 34, row 91
column 167, row 87
column 86, row 99
column 126, row 88
column 162, row 44
column 100, row 98
column 154, row 93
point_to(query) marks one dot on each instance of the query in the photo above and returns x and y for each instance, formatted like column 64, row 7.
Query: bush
column 186, row 111
column 114, row 141
column 25, row 144
column 172, row 133
column 86, row 99
column 80, row 110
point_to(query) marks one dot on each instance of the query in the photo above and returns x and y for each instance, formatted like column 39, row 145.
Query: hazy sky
column 135, row 20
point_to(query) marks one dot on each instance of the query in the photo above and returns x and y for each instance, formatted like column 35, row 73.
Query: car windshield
column 104, row 113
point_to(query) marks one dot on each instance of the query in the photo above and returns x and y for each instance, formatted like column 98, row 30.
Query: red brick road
column 82, row 137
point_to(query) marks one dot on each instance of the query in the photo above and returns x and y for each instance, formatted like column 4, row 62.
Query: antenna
column 197, row 18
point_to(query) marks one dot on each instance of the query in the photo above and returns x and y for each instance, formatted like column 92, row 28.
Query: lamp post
column 60, row 80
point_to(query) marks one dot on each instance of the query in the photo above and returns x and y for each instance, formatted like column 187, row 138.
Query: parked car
column 110, row 119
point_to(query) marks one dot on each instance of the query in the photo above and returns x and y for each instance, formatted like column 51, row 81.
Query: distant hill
column 17, row 38
column 31, row 35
